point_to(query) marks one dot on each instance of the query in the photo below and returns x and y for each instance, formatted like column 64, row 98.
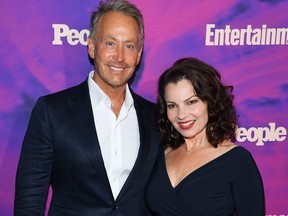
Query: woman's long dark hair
column 206, row 81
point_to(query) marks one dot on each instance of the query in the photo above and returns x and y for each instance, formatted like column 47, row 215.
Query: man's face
column 115, row 50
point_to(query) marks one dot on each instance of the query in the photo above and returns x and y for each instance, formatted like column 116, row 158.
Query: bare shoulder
column 226, row 146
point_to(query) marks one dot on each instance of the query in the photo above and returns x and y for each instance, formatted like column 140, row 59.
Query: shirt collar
column 97, row 95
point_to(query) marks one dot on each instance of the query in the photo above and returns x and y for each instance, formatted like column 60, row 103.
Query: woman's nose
column 182, row 113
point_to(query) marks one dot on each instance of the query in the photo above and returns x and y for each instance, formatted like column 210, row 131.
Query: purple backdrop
column 43, row 50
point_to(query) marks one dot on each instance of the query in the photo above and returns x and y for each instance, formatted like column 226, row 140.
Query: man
column 94, row 143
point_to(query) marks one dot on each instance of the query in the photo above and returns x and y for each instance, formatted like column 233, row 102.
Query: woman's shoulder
column 235, row 150
column 226, row 146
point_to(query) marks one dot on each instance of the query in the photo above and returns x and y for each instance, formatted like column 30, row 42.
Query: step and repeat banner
column 44, row 50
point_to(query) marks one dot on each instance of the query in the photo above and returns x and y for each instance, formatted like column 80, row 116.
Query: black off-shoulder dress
column 224, row 186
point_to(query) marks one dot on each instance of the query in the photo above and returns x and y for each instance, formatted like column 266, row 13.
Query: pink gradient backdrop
column 32, row 66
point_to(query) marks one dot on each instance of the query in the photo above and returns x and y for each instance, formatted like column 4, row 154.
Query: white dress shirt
column 118, row 137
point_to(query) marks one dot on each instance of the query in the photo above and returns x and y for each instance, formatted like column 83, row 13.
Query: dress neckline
column 209, row 163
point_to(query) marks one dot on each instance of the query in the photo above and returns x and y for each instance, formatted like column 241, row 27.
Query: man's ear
column 139, row 55
column 91, row 47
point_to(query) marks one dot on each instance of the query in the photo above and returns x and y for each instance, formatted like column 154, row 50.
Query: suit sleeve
column 248, row 189
column 35, row 164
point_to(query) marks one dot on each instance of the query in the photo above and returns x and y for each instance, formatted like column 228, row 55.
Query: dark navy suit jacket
column 61, row 149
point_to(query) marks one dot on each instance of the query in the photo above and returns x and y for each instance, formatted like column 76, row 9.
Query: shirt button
column 114, row 207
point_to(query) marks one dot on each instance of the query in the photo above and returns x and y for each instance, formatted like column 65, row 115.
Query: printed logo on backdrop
column 214, row 36
column 62, row 33
column 261, row 135
column 245, row 36
column 277, row 215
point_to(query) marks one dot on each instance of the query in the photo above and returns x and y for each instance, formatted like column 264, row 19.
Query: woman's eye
column 170, row 106
column 192, row 102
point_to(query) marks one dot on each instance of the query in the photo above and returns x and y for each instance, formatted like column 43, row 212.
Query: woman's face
column 186, row 112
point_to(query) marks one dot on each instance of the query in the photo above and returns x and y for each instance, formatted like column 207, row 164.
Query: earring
column 172, row 132
column 172, row 128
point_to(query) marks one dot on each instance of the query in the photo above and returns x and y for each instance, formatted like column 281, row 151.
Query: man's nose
column 120, row 55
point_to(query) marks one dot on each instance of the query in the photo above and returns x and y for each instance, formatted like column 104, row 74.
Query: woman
column 200, row 171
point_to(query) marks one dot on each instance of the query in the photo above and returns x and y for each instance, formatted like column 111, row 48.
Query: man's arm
column 35, row 164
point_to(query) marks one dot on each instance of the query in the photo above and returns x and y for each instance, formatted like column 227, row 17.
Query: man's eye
column 109, row 43
column 130, row 46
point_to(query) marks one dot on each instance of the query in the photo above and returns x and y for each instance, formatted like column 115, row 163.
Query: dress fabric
column 229, row 184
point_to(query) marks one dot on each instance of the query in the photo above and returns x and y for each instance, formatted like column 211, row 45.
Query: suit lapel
column 84, row 121
column 143, row 149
